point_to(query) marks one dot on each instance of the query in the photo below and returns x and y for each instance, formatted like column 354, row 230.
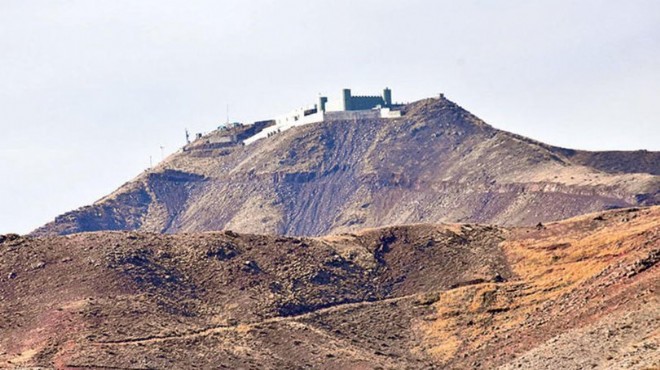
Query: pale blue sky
column 90, row 89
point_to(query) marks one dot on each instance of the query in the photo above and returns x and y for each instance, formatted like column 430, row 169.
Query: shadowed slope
column 437, row 163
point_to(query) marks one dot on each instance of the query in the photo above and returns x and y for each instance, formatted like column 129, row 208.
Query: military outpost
column 346, row 107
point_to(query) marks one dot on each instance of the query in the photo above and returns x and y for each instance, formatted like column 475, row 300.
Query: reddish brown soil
column 438, row 163
column 580, row 293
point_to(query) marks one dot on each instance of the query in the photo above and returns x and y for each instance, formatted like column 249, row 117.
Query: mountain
column 437, row 163
column 575, row 294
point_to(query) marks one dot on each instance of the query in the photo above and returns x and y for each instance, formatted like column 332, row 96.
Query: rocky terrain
column 438, row 163
column 574, row 294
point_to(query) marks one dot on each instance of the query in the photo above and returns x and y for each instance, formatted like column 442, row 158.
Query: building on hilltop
column 347, row 107
column 349, row 102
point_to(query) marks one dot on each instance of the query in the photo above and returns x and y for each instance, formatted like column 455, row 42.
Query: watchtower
column 387, row 97
column 322, row 102
column 346, row 99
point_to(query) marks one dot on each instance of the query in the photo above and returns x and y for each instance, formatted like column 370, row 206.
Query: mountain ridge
column 570, row 294
column 437, row 163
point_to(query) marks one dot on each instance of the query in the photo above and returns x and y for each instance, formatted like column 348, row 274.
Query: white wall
column 283, row 125
column 388, row 113
column 350, row 115
column 297, row 118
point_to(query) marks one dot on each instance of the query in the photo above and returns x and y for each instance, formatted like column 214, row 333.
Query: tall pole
column 151, row 162
column 227, row 115
column 162, row 153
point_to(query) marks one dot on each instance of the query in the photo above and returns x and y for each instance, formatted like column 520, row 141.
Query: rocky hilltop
column 436, row 163
column 576, row 294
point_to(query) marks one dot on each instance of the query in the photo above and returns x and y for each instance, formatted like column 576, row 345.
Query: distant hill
column 436, row 163
column 576, row 294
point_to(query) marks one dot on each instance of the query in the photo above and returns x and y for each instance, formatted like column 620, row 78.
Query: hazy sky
column 90, row 89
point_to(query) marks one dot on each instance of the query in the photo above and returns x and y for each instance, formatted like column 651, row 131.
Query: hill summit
column 431, row 162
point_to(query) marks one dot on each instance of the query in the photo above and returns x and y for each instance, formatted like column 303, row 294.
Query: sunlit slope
column 571, row 294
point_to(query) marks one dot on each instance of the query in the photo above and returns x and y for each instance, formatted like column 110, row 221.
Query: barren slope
column 572, row 294
column 437, row 163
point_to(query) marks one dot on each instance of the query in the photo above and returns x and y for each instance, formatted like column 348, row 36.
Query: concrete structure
column 348, row 107
column 297, row 117
column 349, row 102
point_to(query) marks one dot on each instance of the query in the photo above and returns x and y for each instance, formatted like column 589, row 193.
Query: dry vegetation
column 580, row 293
